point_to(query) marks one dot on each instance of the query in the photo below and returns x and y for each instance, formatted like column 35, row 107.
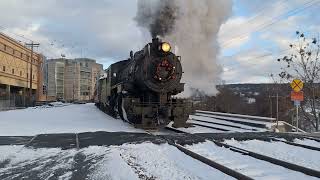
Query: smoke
column 192, row 26
column 158, row 16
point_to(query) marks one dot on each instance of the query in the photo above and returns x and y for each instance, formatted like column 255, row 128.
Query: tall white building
column 72, row 79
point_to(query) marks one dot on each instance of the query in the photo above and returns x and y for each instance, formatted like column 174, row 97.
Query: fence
column 15, row 101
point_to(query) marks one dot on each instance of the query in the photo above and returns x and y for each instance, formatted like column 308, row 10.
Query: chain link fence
column 15, row 101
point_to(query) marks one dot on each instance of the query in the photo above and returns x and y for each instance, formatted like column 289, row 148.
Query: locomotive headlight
column 165, row 47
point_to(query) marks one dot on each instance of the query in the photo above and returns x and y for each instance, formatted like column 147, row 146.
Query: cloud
column 98, row 29
column 229, row 36
column 105, row 30
column 256, row 59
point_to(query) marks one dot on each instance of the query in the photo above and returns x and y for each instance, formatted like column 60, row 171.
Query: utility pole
column 47, row 80
column 297, row 109
column 32, row 45
column 277, row 107
column 74, row 77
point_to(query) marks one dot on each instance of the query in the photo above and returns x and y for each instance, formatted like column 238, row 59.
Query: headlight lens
column 165, row 47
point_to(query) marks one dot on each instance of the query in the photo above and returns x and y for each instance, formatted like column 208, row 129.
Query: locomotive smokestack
column 155, row 40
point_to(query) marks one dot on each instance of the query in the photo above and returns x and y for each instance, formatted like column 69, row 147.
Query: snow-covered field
column 129, row 161
column 297, row 155
column 256, row 169
column 72, row 118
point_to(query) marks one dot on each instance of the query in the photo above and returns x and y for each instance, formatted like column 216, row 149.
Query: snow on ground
column 257, row 169
column 73, row 118
column 308, row 142
column 279, row 150
column 129, row 161
column 18, row 162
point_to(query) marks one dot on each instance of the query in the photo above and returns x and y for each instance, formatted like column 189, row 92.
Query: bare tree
column 303, row 63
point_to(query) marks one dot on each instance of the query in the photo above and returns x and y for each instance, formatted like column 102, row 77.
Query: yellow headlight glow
column 165, row 47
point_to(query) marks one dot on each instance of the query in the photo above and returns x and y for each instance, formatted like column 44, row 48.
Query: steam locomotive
column 140, row 89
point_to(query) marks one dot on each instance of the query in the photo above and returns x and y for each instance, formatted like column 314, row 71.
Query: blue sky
column 105, row 30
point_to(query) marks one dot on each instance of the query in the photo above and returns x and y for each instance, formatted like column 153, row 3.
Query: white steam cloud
column 195, row 28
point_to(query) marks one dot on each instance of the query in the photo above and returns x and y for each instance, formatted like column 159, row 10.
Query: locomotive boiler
column 140, row 89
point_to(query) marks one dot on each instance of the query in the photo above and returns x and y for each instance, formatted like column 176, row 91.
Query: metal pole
column 297, row 108
column 74, row 77
column 47, row 85
column 277, row 108
column 30, row 90
column 30, row 78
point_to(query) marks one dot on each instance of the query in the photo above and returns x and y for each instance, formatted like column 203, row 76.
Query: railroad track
column 221, row 126
column 232, row 120
column 205, row 160
column 297, row 144
column 210, row 127
column 242, row 151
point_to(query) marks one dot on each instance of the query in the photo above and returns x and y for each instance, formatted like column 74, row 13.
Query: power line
column 19, row 35
column 2, row 28
column 261, row 12
column 274, row 20
column 253, row 58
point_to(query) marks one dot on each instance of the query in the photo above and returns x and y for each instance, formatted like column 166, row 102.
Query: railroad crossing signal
column 296, row 85
column 297, row 96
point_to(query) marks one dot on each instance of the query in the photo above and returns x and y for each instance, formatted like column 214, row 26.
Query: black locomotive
column 140, row 89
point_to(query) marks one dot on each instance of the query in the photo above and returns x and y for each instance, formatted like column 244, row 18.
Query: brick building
column 15, row 70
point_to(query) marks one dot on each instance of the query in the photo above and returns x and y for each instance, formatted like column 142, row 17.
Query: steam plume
column 193, row 26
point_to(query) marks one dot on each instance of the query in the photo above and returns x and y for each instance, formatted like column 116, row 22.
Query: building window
column 20, row 73
column 12, row 71
column 4, row 68
column 32, row 76
column 27, row 75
